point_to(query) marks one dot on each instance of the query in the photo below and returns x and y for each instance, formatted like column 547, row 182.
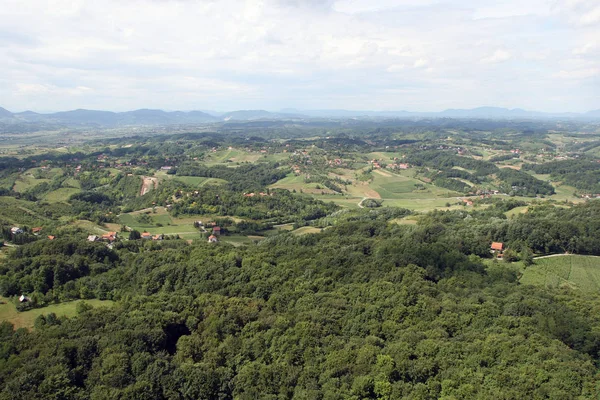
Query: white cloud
column 401, row 54
column 420, row 63
column 497, row 57
column 578, row 74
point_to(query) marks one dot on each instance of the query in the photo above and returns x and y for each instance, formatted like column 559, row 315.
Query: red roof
column 216, row 228
column 497, row 246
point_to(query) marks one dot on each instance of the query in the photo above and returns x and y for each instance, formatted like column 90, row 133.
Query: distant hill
column 110, row 119
column 83, row 117
column 593, row 113
column 250, row 115
column 479, row 112
column 4, row 113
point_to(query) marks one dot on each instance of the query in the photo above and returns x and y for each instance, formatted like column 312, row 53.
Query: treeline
column 583, row 173
column 274, row 206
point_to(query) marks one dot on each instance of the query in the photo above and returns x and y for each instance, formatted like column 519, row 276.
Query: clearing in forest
column 26, row 319
column 148, row 183
column 574, row 271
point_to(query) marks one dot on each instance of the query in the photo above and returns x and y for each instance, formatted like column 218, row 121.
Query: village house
column 15, row 230
column 50, row 237
column 212, row 239
column 110, row 236
column 216, row 230
column 146, row 235
column 36, row 231
column 93, row 238
column 497, row 248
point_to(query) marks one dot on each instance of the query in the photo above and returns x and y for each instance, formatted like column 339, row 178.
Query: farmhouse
column 110, row 236
column 15, row 230
column 146, row 235
column 497, row 248
column 36, row 231
column 212, row 239
column 93, row 238
column 216, row 230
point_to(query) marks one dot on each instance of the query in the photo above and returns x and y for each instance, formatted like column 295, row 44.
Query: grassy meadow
column 25, row 319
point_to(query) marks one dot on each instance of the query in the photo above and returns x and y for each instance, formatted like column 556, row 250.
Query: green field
column 293, row 182
column 306, row 229
column 574, row 271
column 61, row 195
column 516, row 211
column 183, row 227
column 25, row 319
column 25, row 182
column 197, row 181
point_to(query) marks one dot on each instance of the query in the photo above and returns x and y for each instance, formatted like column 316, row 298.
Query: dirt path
column 148, row 183
column 383, row 173
column 562, row 255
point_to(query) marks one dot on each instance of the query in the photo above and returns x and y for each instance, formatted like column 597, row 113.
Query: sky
column 415, row 55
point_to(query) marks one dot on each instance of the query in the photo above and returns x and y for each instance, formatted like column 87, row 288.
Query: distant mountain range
column 82, row 117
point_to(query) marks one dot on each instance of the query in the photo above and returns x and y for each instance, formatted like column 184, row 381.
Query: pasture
column 26, row 319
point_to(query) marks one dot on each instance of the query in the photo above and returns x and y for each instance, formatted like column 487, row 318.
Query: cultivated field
column 574, row 271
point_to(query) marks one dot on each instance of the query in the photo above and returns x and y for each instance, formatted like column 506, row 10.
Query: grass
column 26, row 319
column 194, row 181
column 574, row 271
column 60, row 195
column 90, row 227
column 516, row 211
column 292, row 182
column 305, row 230
column 25, row 182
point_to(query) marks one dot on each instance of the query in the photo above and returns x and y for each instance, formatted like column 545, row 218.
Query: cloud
column 397, row 54
column 578, row 74
column 498, row 56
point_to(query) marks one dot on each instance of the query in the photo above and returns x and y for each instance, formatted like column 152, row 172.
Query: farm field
column 293, row 182
column 233, row 156
column 573, row 271
column 197, row 181
column 61, row 195
column 305, row 230
column 25, row 182
column 26, row 319
column 516, row 211
column 90, row 227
